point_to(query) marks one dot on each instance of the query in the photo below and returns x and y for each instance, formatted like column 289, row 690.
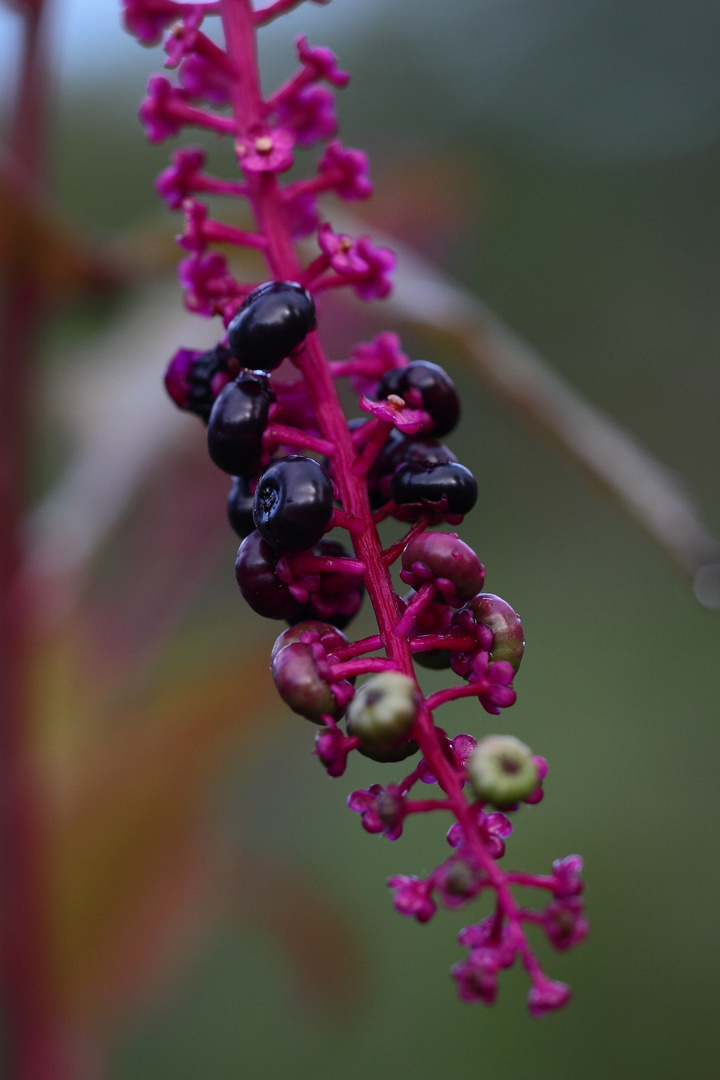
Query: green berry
column 502, row 771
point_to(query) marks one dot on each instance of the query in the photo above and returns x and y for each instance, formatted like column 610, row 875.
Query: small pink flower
column 331, row 746
column 341, row 250
column 310, row 114
column 409, row 421
column 382, row 809
column 147, row 19
column 494, row 828
column 547, row 995
column 156, row 111
column 564, row 922
column 206, row 280
column 193, row 236
column 566, row 875
column 413, row 897
column 203, row 80
column 350, row 167
column 381, row 354
column 376, row 283
column 183, row 37
column 301, row 214
column 321, row 63
column 177, row 181
column 270, row 152
column 496, row 691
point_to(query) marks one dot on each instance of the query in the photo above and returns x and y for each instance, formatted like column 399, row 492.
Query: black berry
column 237, row 422
column 274, row 320
column 293, row 503
column 397, row 450
column 446, row 488
column 423, row 385
column 262, row 588
column 240, row 506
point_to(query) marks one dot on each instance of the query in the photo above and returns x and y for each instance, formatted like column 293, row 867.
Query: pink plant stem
column 280, row 434
column 360, row 667
column 324, row 564
column 423, row 806
column 266, row 199
column 450, row 642
column 357, row 648
column 36, row 1046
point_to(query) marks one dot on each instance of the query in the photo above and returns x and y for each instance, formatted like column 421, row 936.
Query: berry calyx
column 296, row 674
column 237, row 422
column 502, row 770
column 329, row 636
column 337, row 596
column 293, row 503
column 193, row 380
column 445, row 488
column 272, row 322
column 426, row 386
column 445, row 558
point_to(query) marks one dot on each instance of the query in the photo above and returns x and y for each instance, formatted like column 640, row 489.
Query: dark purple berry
column 240, row 506
column 273, row 320
column 193, row 380
column 262, row 588
column 445, row 488
column 397, row 450
column 423, row 385
column 237, row 422
column 293, row 503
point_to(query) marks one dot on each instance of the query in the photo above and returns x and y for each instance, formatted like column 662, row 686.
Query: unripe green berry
column 383, row 710
column 300, row 685
column 495, row 613
column 501, row 770
column 330, row 637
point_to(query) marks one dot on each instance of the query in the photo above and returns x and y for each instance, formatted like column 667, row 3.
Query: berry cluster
column 300, row 469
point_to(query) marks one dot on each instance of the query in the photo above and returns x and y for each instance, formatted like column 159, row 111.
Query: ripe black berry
column 274, row 320
column 293, row 503
column 447, row 488
column 240, row 506
column 193, row 380
column 237, row 422
column 423, row 385
column 397, row 450
column 262, row 588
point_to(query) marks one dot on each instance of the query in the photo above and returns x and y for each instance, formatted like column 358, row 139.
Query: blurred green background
column 562, row 161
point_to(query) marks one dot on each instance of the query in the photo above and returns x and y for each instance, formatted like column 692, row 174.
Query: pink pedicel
column 475, row 781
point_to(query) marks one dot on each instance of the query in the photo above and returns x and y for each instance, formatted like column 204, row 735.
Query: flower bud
column 508, row 638
column 383, row 711
column 300, row 684
column 502, row 770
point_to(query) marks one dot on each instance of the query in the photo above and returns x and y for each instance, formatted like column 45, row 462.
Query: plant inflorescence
column 300, row 469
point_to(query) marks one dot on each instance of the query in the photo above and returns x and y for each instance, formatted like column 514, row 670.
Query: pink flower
column 301, row 214
column 382, row 809
column 413, row 897
column 203, row 80
column 332, row 747
column 147, row 19
column 193, row 236
column 495, row 691
column 341, row 250
column 566, row 875
column 310, row 113
column 376, row 357
column 271, row 152
column 183, row 37
column 409, row 421
column 564, row 923
column 177, row 181
column 321, row 63
column 493, row 827
column 206, row 279
column 156, row 111
column 547, row 995
column 376, row 283
column 349, row 170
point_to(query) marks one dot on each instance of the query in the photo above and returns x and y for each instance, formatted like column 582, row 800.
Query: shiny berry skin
column 298, row 679
column 381, row 715
column 446, row 488
column 240, row 506
column 262, row 588
column 444, row 557
column 423, row 385
column 397, row 450
column 508, row 636
column 293, row 503
column 272, row 322
column 237, row 422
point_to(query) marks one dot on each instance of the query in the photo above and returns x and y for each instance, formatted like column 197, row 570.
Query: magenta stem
column 450, row 642
column 360, row 667
column 423, row 806
column 302, row 563
column 282, row 435
column 357, row 648
column 391, row 554
column 373, row 447
column 267, row 202
column 419, row 602
column 452, row 693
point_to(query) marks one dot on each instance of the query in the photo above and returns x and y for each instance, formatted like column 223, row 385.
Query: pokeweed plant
column 299, row 469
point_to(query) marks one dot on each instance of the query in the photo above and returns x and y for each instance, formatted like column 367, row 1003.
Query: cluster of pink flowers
column 301, row 469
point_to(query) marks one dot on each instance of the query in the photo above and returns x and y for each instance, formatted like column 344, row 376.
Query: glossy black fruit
column 274, row 320
column 397, row 450
column 237, row 422
column 240, row 506
column 447, row 488
column 262, row 588
column 434, row 392
column 293, row 503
